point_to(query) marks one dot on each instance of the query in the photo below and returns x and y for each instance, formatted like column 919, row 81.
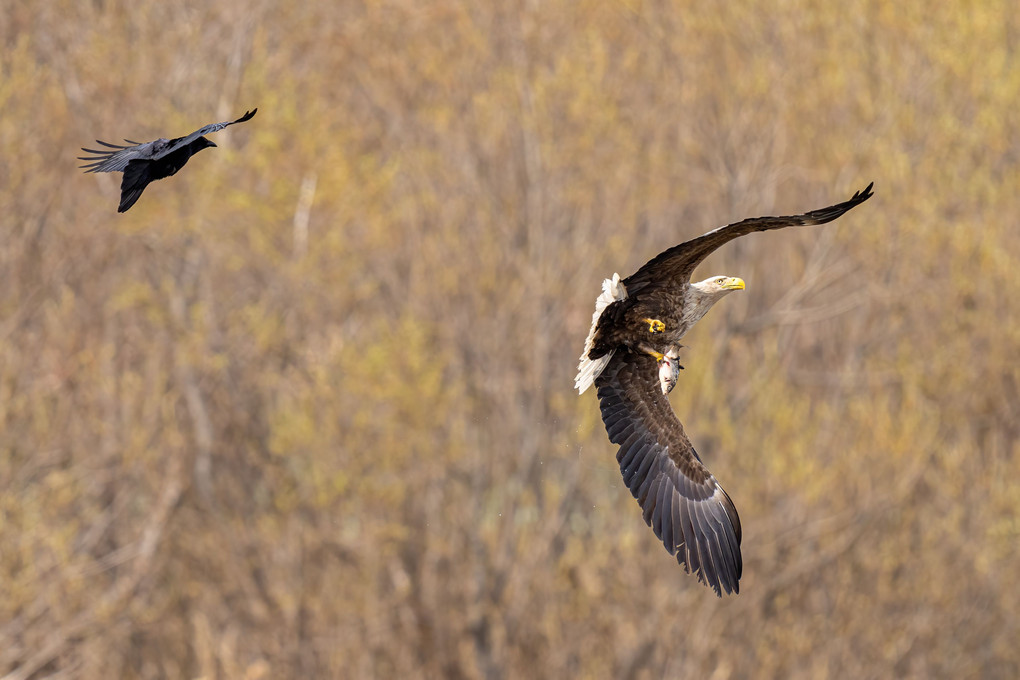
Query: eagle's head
column 703, row 294
column 715, row 287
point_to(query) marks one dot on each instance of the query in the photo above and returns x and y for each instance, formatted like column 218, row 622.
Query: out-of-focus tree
column 306, row 410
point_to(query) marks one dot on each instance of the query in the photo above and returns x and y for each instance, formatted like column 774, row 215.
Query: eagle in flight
column 144, row 163
column 631, row 356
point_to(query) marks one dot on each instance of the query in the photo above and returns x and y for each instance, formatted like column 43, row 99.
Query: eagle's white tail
column 588, row 369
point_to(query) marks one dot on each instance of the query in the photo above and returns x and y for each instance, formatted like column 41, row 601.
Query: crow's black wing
column 116, row 157
column 175, row 144
column 137, row 176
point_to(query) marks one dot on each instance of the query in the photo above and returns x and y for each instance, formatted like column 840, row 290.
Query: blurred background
column 307, row 410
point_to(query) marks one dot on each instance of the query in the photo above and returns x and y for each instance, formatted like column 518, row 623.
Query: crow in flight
column 144, row 163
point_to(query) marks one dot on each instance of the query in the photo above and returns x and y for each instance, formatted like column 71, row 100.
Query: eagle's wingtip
column 864, row 195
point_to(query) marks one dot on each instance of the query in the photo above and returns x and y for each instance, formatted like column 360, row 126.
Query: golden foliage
column 306, row 409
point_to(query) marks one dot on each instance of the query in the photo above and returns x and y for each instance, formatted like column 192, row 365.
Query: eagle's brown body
column 616, row 327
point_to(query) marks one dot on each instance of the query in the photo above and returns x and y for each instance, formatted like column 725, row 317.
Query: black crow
column 144, row 163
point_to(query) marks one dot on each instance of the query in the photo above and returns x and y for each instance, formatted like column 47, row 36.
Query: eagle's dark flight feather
column 681, row 500
column 675, row 265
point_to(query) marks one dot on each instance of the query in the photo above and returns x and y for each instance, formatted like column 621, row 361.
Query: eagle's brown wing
column 675, row 265
column 682, row 502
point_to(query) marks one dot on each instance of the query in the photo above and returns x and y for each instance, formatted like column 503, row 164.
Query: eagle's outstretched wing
column 117, row 158
column 675, row 265
column 682, row 502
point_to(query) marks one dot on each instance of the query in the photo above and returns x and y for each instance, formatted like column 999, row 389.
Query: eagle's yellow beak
column 733, row 283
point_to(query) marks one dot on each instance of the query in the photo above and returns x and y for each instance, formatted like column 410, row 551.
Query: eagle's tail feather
column 589, row 369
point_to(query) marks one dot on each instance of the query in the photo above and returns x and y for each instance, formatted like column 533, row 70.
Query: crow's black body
column 140, row 172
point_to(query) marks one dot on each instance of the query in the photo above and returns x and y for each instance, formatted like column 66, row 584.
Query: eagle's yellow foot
column 658, row 356
column 655, row 326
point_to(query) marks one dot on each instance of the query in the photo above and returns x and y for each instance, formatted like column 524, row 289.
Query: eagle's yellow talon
column 655, row 326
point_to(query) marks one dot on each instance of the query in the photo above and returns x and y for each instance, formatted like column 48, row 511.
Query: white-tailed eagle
column 631, row 356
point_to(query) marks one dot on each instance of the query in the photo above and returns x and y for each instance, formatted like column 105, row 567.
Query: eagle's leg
column 654, row 325
column 648, row 349
column 659, row 356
